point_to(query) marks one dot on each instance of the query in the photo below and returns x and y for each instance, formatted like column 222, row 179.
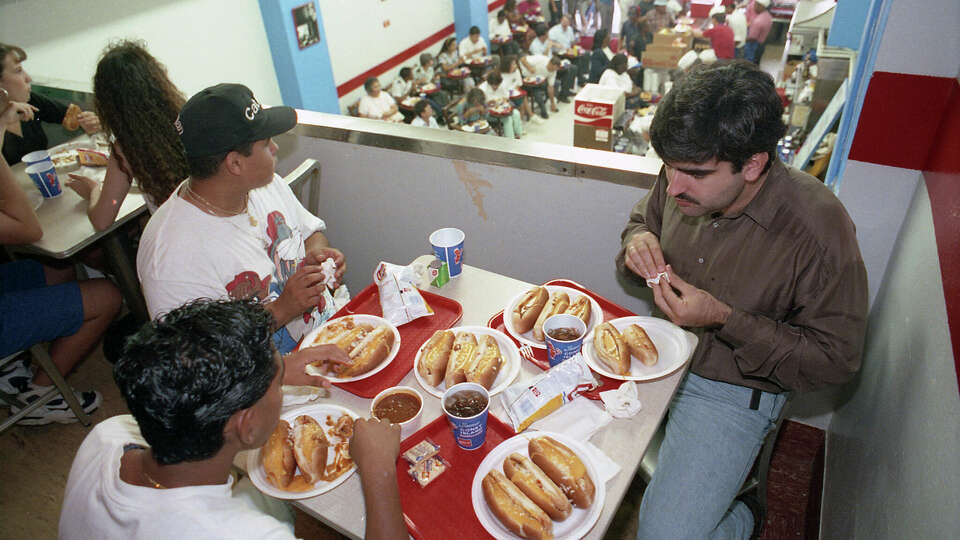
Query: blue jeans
column 711, row 442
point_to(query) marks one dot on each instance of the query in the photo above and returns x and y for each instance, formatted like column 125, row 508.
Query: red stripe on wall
column 394, row 61
column 403, row 56
column 942, row 177
column 899, row 119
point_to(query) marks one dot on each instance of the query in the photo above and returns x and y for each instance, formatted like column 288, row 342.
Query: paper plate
column 319, row 412
column 358, row 319
column 674, row 344
column 508, row 370
column 577, row 524
column 596, row 315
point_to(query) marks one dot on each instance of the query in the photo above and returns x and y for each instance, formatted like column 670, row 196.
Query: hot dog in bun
column 528, row 309
column 558, row 303
column 435, row 356
column 611, row 348
column 279, row 465
column 310, row 446
column 535, row 483
column 485, row 367
column 514, row 509
column 640, row 345
column 564, row 468
column 580, row 308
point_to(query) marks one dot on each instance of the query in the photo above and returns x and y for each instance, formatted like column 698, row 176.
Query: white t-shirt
column 538, row 47
column 186, row 254
column 470, row 49
column 419, row 122
column 511, row 81
column 376, row 107
column 500, row 29
column 738, row 23
column 400, row 88
column 564, row 37
column 616, row 80
column 98, row 504
column 500, row 93
column 539, row 64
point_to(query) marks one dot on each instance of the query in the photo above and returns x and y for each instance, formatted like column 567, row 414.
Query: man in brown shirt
column 761, row 261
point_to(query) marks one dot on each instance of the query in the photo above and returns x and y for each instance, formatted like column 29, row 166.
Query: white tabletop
column 66, row 228
column 482, row 294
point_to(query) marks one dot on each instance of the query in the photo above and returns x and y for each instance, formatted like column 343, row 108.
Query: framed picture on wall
column 305, row 24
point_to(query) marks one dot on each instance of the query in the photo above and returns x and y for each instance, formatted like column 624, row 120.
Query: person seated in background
column 425, row 72
column 449, row 58
column 500, row 28
column 513, row 80
column 616, row 76
column 598, row 56
column 496, row 93
column 543, row 66
column 565, row 38
column 759, row 22
column 657, row 18
column 738, row 23
column 542, row 45
column 235, row 229
column 473, row 46
column 510, row 9
column 133, row 473
column 472, row 107
column 23, row 133
column 137, row 105
column 423, row 115
column 528, row 7
column 720, row 36
column 377, row 104
column 42, row 304
column 632, row 39
column 402, row 86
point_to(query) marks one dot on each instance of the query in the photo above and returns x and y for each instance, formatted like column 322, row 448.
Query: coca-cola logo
column 594, row 110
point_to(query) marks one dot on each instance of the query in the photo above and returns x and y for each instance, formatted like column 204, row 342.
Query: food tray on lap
column 539, row 359
column 446, row 313
column 421, row 505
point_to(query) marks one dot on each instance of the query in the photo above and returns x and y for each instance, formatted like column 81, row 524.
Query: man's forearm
column 316, row 242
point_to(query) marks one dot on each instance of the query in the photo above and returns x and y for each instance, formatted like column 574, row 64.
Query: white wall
column 358, row 41
column 202, row 42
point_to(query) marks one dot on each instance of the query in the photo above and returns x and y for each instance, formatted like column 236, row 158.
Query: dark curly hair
column 137, row 103
column 184, row 375
column 727, row 111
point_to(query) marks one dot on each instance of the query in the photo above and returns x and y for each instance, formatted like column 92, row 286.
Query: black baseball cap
column 221, row 118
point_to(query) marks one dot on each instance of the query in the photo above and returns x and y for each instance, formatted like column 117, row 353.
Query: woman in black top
column 26, row 135
column 598, row 58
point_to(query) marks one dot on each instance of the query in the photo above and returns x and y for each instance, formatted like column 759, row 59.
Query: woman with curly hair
column 138, row 106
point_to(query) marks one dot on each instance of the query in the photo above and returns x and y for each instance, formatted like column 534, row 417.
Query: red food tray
column 444, row 509
column 446, row 313
column 610, row 311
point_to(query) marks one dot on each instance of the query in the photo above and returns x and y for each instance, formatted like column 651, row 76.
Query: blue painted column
column 305, row 75
column 467, row 13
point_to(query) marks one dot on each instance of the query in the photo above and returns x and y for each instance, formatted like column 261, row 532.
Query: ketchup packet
column 530, row 401
column 400, row 301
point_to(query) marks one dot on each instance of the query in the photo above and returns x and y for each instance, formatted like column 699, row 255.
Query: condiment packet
column 400, row 301
column 428, row 470
column 530, row 401
column 656, row 280
column 424, row 449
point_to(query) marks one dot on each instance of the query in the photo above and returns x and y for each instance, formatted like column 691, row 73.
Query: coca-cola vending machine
column 594, row 111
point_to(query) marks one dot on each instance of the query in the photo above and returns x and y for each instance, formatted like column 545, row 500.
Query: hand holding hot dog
column 687, row 305
column 643, row 255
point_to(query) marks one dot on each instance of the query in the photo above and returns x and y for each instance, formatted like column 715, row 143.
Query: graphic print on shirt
column 287, row 251
column 249, row 285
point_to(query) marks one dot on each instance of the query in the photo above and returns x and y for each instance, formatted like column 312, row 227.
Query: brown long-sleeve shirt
column 790, row 267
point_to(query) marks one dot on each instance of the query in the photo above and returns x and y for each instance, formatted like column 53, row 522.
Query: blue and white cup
column 470, row 432
column 37, row 156
column 559, row 350
column 44, row 176
column 448, row 247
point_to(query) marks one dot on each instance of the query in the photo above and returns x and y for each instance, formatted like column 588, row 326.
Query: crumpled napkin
column 300, row 395
column 622, row 402
column 656, row 280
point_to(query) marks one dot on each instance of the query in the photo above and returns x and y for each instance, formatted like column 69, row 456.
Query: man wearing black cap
column 235, row 229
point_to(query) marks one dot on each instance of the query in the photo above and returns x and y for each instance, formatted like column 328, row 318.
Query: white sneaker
column 15, row 377
column 57, row 409
column 537, row 119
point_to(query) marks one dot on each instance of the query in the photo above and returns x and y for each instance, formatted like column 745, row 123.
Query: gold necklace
column 156, row 485
column 217, row 211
